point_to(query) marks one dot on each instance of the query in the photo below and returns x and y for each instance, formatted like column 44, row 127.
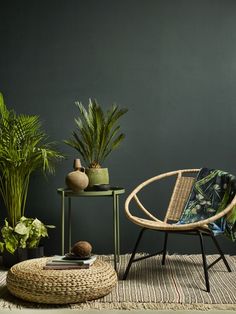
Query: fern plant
column 23, row 149
column 97, row 133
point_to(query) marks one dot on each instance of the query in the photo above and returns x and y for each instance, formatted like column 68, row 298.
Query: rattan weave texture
column 182, row 189
column 29, row 281
column 179, row 198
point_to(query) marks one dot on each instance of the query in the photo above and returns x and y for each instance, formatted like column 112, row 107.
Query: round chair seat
column 29, row 281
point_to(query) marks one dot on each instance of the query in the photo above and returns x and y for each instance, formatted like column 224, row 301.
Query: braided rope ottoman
column 29, row 281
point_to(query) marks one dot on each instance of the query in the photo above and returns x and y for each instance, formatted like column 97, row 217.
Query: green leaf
column 50, row 226
column 231, row 216
column 28, row 233
column 97, row 130
column 24, row 148
column 21, row 229
column 2, row 245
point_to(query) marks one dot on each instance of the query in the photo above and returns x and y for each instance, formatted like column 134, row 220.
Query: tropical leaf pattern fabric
column 212, row 191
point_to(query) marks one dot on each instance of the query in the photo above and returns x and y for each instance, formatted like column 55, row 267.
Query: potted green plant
column 23, row 149
column 25, row 237
column 97, row 135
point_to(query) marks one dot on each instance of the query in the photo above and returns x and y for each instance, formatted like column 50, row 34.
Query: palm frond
column 97, row 132
column 23, row 149
column 114, row 144
column 3, row 109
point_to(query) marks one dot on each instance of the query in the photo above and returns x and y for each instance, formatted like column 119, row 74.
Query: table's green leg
column 118, row 228
column 62, row 222
column 115, row 229
column 69, row 224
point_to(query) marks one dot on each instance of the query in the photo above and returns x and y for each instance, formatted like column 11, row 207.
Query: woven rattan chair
column 180, row 194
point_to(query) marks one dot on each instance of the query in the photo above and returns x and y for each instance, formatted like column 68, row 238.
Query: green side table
column 114, row 194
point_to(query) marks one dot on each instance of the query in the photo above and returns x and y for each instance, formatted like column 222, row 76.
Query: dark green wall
column 172, row 63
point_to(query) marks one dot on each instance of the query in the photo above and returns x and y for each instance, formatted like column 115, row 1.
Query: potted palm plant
column 23, row 150
column 97, row 135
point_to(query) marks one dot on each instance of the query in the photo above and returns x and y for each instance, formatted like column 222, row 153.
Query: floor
column 66, row 311
column 69, row 311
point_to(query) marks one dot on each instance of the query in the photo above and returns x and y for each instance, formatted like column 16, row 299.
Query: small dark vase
column 8, row 259
column 36, row 252
column 20, row 255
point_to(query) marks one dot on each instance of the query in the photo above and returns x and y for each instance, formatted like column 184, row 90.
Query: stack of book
column 62, row 262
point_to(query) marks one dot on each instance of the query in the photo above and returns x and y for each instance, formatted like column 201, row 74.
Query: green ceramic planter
column 97, row 176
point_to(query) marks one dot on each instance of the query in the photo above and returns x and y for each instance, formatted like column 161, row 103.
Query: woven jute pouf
column 29, row 281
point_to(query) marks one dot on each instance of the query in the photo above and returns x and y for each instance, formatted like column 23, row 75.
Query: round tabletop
column 69, row 192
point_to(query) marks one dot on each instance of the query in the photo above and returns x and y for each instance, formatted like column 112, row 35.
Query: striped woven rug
column 177, row 285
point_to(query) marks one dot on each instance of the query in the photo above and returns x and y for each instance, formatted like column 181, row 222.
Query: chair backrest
column 182, row 189
column 180, row 195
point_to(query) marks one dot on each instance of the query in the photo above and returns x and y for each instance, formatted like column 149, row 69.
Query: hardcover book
column 66, row 266
column 62, row 260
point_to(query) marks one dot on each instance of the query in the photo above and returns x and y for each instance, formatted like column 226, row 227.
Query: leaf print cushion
column 212, row 191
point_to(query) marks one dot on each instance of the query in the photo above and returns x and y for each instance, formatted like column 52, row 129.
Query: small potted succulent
column 96, row 136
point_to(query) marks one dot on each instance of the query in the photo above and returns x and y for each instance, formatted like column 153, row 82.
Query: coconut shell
column 82, row 248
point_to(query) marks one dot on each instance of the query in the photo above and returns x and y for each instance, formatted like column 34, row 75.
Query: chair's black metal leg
column 204, row 262
column 221, row 253
column 164, row 249
column 133, row 253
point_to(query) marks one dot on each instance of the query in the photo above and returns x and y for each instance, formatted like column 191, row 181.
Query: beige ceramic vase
column 77, row 180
